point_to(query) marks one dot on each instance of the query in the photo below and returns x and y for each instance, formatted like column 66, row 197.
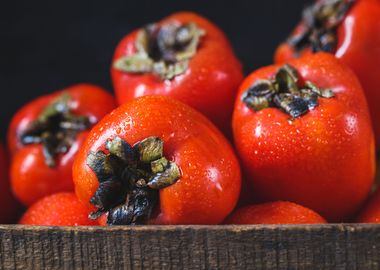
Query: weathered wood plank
column 191, row 247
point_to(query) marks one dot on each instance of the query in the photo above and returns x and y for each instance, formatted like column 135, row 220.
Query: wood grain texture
column 191, row 247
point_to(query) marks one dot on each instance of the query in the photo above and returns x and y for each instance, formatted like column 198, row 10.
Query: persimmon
column 304, row 134
column 184, row 56
column 156, row 160
column 61, row 209
column 45, row 135
column 275, row 213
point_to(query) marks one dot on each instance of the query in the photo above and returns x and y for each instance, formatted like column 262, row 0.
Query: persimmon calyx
column 56, row 128
column 320, row 23
column 163, row 50
column 284, row 91
column 130, row 179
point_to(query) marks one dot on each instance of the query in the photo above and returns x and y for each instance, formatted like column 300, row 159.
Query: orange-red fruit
column 31, row 178
column 371, row 211
column 324, row 159
column 275, row 213
column 209, row 186
column 210, row 83
column 61, row 209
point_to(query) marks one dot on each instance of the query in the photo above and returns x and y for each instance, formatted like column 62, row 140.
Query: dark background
column 47, row 45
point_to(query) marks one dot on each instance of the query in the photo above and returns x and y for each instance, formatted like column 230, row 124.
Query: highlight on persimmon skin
column 275, row 213
column 61, row 209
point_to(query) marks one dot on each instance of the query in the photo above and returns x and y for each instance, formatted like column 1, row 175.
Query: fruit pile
column 188, row 140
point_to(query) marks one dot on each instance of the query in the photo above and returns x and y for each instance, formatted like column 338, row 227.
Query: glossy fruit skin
column 275, row 213
column 60, row 209
column 9, row 206
column 371, row 211
column 323, row 160
column 31, row 178
column 359, row 48
column 210, row 174
column 209, row 85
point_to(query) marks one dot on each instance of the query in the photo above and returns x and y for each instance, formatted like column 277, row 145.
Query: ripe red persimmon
column 350, row 31
column 304, row 135
column 183, row 56
column 9, row 208
column 156, row 160
column 371, row 211
column 45, row 135
column 60, row 209
column 275, row 213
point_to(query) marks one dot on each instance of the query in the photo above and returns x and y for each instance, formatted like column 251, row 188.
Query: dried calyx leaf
column 130, row 179
column 163, row 50
column 284, row 91
column 56, row 129
column 320, row 22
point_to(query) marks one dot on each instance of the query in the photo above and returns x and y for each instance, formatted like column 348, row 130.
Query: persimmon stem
column 163, row 50
column 130, row 178
column 320, row 23
column 56, row 129
column 284, row 91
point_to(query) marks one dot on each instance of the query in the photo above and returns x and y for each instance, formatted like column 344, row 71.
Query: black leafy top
column 164, row 51
column 130, row 178
column 320, row 22
column 284, row 91
column 56, row 129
